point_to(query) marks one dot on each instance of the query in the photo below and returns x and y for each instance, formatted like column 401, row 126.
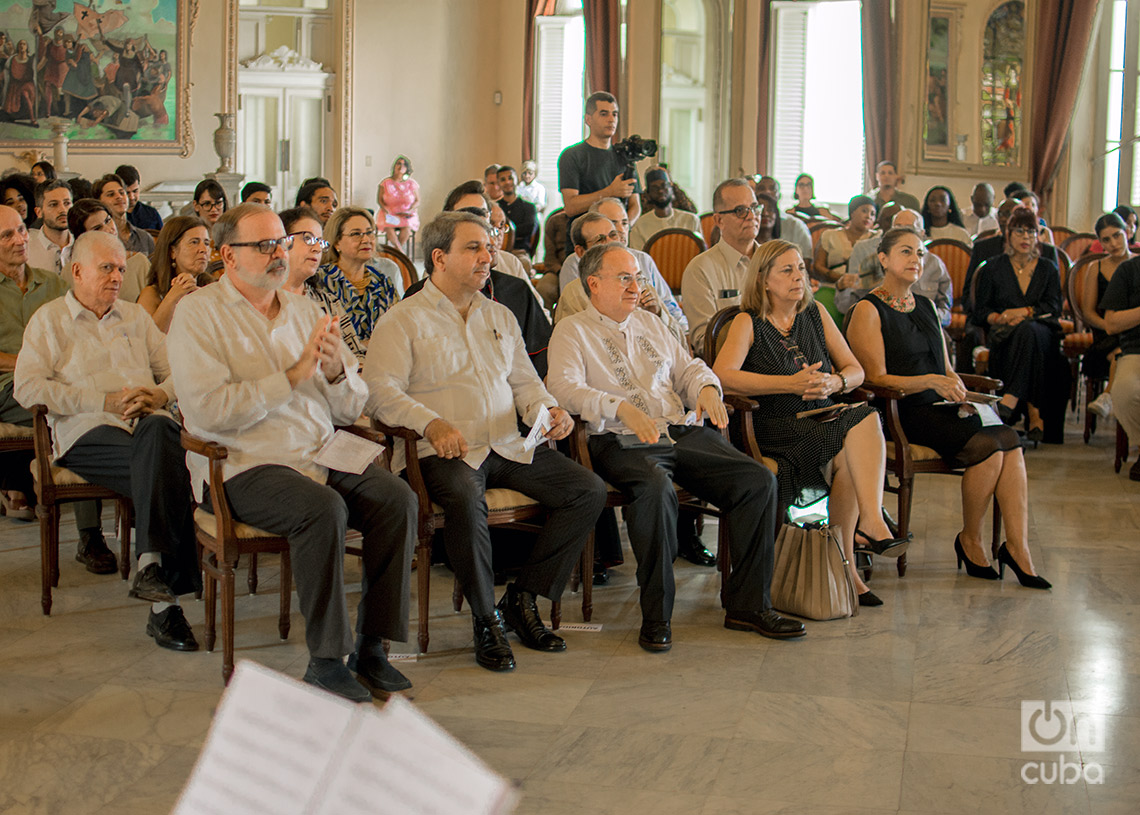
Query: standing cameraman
column 591, row 170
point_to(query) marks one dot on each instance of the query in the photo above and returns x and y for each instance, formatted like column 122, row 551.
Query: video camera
column 632, row 150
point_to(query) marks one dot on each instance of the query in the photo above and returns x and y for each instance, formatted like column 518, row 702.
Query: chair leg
column 906, row 495
column 227, row 570
column 286, row 594
column 423, row 573
column 723, row 560
column 123, row 516
column 555, row 616
column 586, row 569
column 251, row 580
column 49, row 538
column 210, row 590
column 456, row 596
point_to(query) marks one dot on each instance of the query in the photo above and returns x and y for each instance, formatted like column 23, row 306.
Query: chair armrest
column 981, row 384
column 373, row 435
column 743, row 403
column 41, row 442
column 210, row 449
column 877, row 391
column 395, row 432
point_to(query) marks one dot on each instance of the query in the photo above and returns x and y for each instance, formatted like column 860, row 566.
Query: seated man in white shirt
column 715, row 278
column 451, row 365
column 613, row 209
column 645, row 399
column 53, row 201
column 266, row 373
column 99, row 364
column 661, row 213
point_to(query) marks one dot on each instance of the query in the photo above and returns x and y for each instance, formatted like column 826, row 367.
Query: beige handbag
column 811, row 578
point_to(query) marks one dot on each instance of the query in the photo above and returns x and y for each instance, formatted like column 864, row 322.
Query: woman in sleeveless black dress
column 785, row 352
column 896, row 337
column 1100, row 358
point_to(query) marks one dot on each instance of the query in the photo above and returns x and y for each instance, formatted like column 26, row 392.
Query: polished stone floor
column 912, row 707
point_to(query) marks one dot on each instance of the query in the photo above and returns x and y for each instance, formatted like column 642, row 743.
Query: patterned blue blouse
column 363, row 309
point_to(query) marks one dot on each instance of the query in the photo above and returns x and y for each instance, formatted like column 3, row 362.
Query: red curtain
column 880, row 116
column 603, row 46
column 763, row 125
column 534, row 8
column 1064, row 29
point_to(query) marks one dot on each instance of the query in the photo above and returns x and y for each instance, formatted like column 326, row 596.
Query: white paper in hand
column 348, row 453
column 537, row 433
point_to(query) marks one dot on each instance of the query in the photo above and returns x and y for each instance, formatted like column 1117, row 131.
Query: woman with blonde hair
column 785, row 351
column 351, row 274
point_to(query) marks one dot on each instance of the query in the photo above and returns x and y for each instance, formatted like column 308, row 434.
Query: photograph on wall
column 110, row 71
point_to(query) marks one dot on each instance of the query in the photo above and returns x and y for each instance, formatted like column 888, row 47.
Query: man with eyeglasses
column 645, row 400
column 265, row 373
column 715, row 278
column 99, row 364
column 450, row 364
column 111, row 190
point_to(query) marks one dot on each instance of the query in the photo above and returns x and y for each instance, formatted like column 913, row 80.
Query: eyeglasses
column 268, row 247
column 743, row 211
column 309, row 239
column 624, row 280
column 206, row 203
column 495, row 232
column 1022, row 232
column 357, row 235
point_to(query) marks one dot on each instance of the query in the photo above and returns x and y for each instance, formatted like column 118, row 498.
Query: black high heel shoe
column 973, row 569
column 888, row 547
column 1030, row 581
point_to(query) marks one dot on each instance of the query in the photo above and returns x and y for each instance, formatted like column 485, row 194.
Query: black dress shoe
column 766, row 623
column 377, row 673
column 151, row 585
column 655, row 636
column 869, row 598
column 520, row 615
column 170, row 630
column 693, row 550
column 492, row 650
column 601, row 575
column 331, row 675
column 887, row 547
column 94, row 554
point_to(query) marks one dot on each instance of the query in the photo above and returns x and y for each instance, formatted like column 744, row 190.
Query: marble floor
column 913, row 707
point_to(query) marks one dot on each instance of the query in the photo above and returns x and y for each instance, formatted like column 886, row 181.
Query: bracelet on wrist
column 842, row 379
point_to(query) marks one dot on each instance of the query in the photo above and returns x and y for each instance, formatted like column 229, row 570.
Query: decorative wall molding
column 283, row 59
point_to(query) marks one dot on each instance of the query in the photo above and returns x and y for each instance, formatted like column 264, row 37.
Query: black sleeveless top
column 913, row 343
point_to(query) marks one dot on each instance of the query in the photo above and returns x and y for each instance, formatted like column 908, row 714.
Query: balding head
column 13, row 243
column 908, row 217
column 98, row 262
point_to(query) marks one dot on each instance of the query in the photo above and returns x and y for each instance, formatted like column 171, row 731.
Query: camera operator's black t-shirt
column 1123, row 294
column 587, row 169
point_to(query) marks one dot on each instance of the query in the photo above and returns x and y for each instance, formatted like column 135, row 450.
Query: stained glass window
column 1003, row 63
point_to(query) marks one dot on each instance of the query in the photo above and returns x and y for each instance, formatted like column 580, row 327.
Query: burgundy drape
column 1064, row 29
column 880, row 116
column 603, row 46
column 534, row 8
column 763, row 125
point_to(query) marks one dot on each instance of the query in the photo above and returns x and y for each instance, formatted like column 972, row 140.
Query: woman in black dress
column 1100, row 359
column 1018, row 300
column 898, row 340
column 786, row 352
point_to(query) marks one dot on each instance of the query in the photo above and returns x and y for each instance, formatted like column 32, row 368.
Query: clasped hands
column 134, row 403
column 1013, row 316
column 448, row 442
column 709, row 402
column 811, row 383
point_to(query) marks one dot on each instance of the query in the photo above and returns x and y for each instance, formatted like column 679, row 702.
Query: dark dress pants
column 702, row 462
column 149, row 466
column 314, row 518
column 573, row 495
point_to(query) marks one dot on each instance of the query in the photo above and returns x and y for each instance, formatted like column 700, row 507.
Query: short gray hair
column 597, row 205
column 581, row 222
column 440, row 233
column 718, row 193
column 591, row 263
column 226, row 229
column 83, row 250
column 918, row 220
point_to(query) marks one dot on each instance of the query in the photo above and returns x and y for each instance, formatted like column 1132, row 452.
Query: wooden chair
column 707, row 227
column 956, row 256
column 817, row 229
column 1062, row 233
column 56, row 485
column 506, row 509
column 1077, row 244
column 1077, row 343
column 407, row 267
column 671, row 250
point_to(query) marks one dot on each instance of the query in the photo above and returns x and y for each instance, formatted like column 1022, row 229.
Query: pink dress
column 399, row 196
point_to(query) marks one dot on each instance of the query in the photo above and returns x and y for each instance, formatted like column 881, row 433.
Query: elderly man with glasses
column 715, row 278
column 265, row 373
column 645, row 400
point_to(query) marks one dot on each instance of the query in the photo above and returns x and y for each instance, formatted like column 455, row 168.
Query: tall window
column 1116, row 188
column 559, row 84
column 817, row 97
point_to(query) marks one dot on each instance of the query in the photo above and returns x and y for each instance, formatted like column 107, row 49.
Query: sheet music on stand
column 280, row 747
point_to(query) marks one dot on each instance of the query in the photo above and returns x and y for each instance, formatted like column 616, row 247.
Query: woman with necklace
column 353, row 276
column 1100, row 359
column 897, row 338
column 786, row 352
column 1018, row 299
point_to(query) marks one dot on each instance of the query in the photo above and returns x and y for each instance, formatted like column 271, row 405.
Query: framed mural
column 110, row 73
column 941, row 70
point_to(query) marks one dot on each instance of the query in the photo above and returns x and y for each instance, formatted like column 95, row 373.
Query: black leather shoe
column 492, row 650
column 170, row 630
column 376, row 672
column 655, row 635
column 332, row 676
column 520, row 615
column 765, row 623
column 94, row 554
column 601, row 575
column 693, row 550
column 151, row 585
